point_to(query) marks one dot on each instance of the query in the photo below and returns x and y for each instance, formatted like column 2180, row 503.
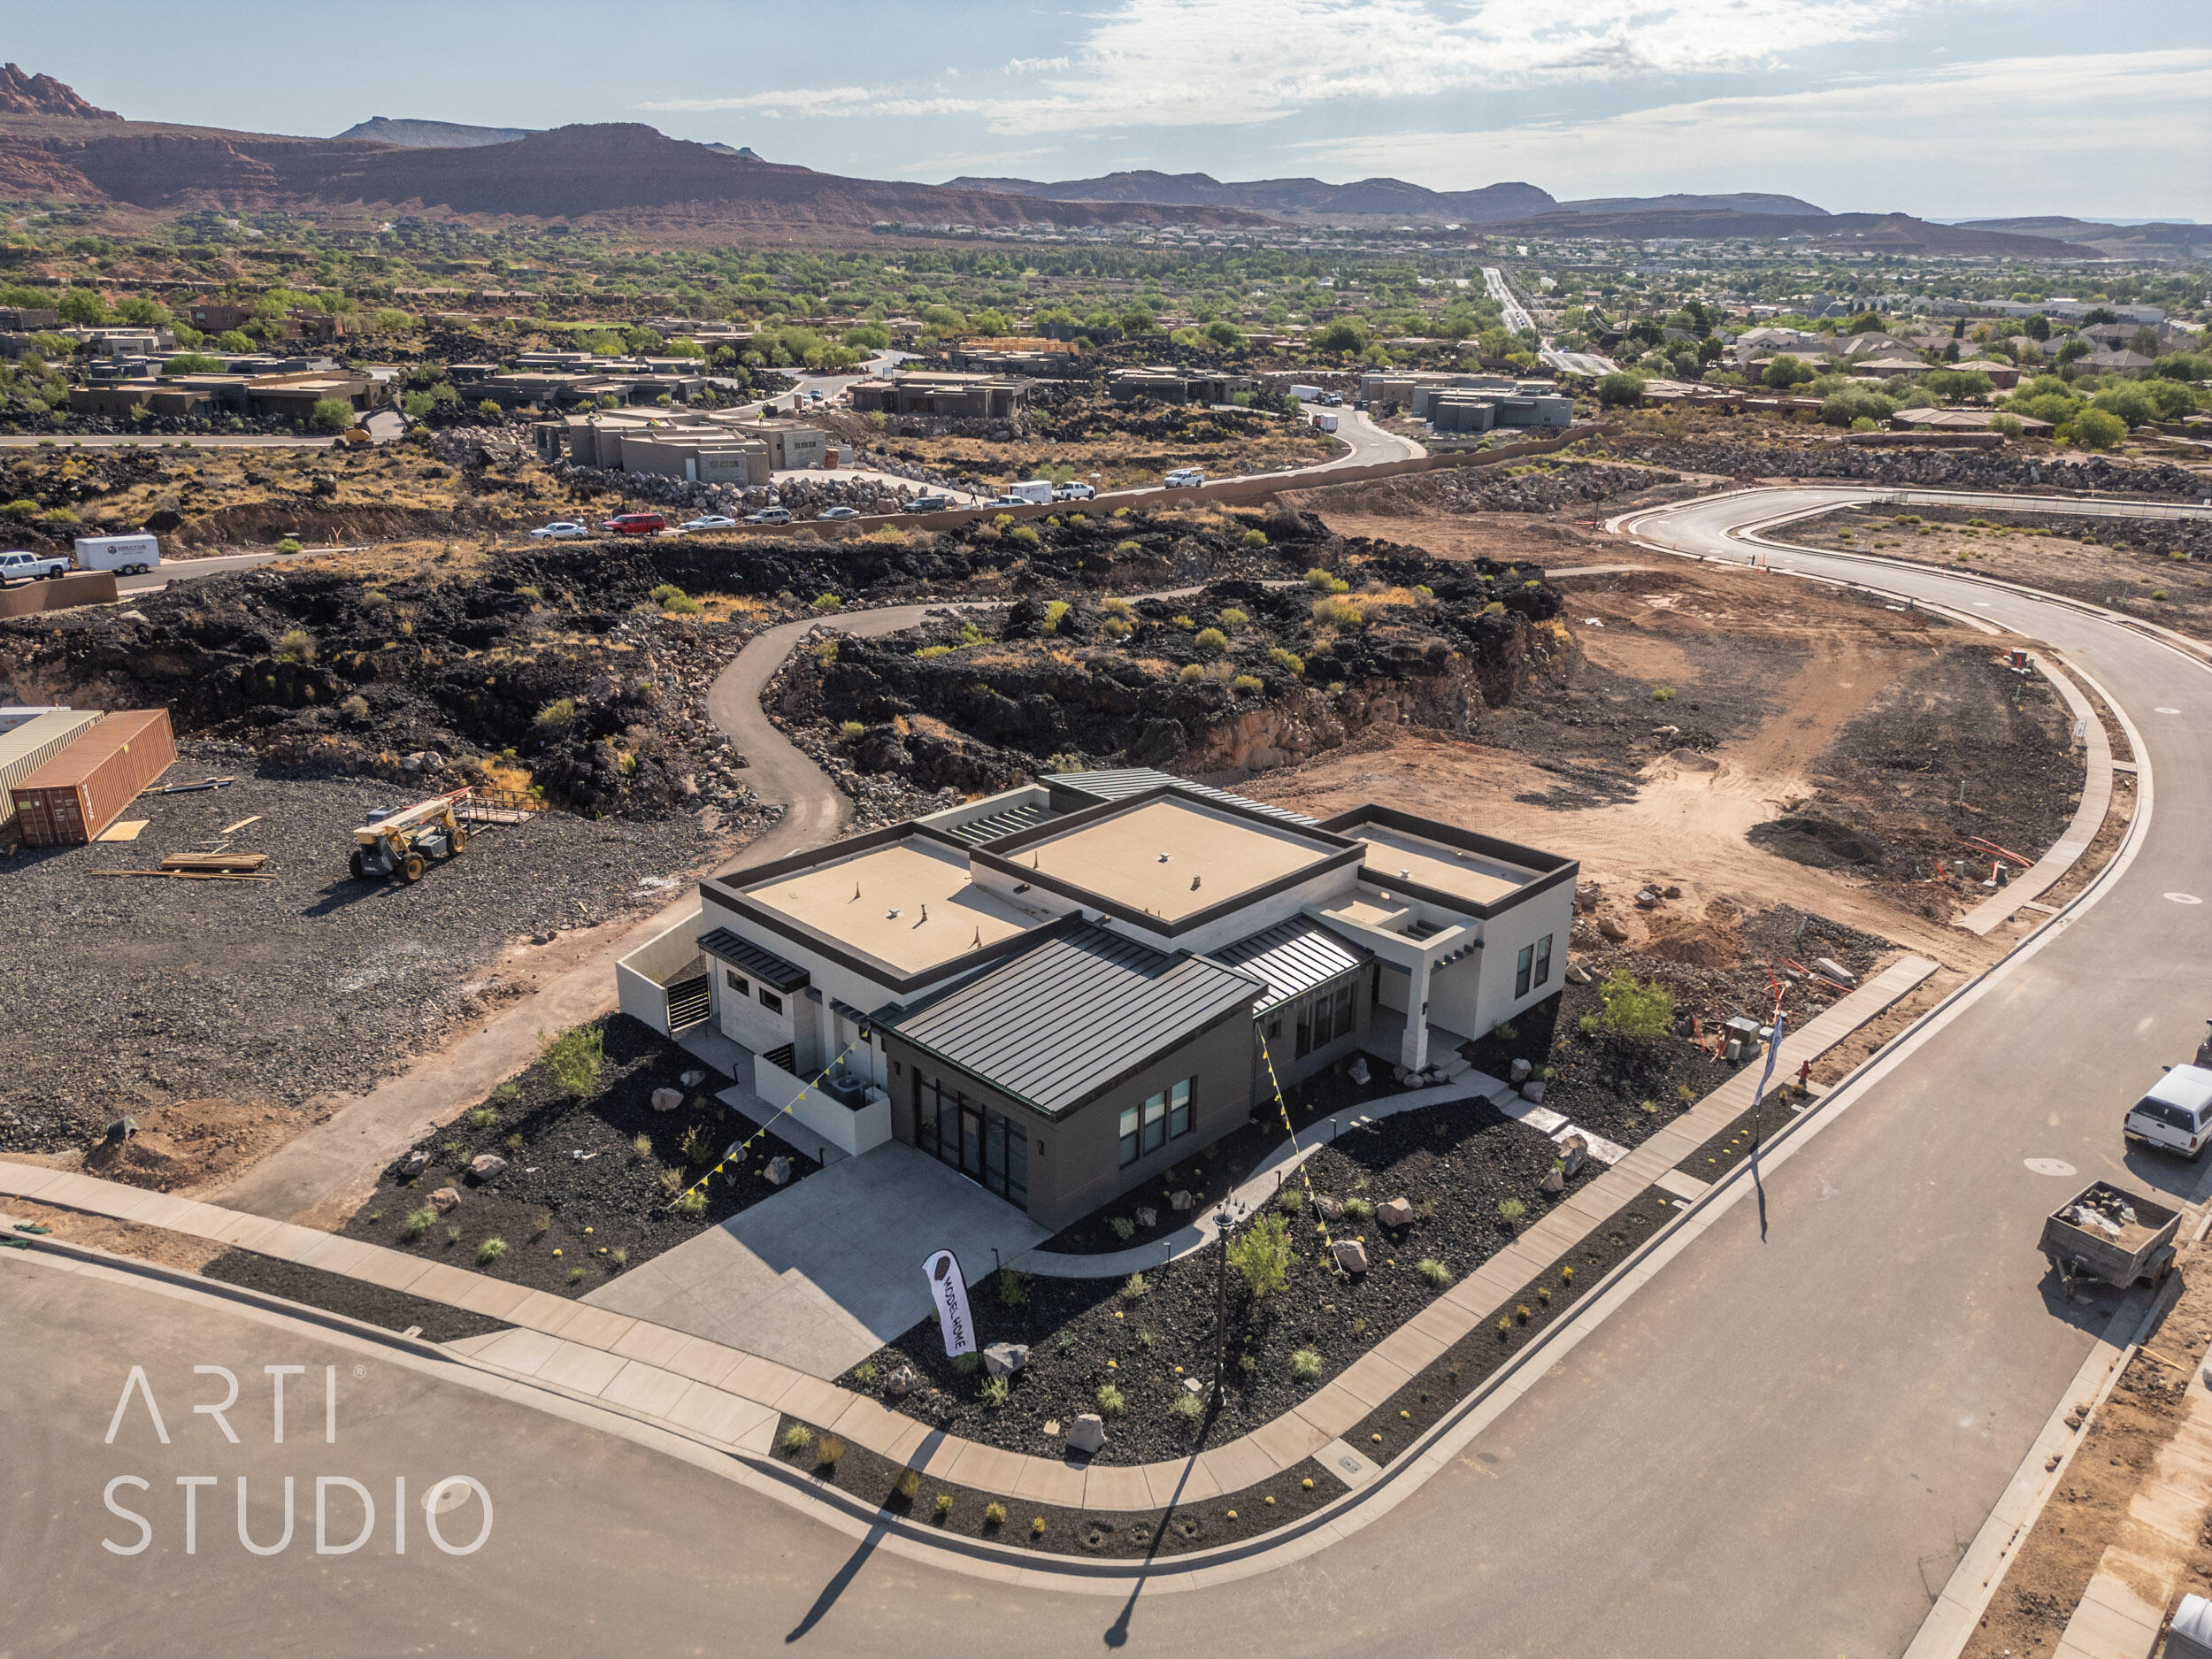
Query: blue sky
column 1945, row 108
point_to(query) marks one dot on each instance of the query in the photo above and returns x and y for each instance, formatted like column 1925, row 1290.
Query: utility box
column 85, row 788
column 2190, row 1635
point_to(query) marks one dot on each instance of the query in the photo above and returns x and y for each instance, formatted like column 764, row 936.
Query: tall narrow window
column 1128, row 1136
column 1155, row 1122
column 1324, row 1019
column 1543, row 960
column 1344, row 1010
column 1178, row 1110
column 1305, row 1029
column 1522, row 966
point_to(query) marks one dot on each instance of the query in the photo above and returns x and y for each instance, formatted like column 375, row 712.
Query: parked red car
column 636, row 523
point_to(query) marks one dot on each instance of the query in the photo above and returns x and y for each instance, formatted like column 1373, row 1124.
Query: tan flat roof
column 1462, row 874
column 1119, row 857
column 916, row 907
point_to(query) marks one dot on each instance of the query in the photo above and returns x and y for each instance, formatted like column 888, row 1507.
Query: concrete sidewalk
column 654, row 1369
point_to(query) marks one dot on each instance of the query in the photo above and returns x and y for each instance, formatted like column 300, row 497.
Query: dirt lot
column 2160, row 570
column 250, row 998
column 2090, row 1511
column 1786, row 702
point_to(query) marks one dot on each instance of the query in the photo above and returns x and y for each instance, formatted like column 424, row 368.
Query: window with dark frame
column 1151, row 1124
column 1543, row 960
column 770, row 1001
column 736, row 981
column 1522, row 965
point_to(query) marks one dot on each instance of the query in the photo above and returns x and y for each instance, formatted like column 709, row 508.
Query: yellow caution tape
column 736, row 1153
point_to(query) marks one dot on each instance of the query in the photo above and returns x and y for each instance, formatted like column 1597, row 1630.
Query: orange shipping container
column 83, row 789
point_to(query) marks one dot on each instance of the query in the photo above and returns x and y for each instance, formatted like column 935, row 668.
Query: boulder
column 484, row 1165
column 1358, row 1071
column 1182, row 1199
column 417, row 1163
column 445, row 1200
column 692, row 1079
column 1329, row 1208
column 1004, row 1359
column 1087, row 1434
column 1577, row 974
column 1394, row 1212
column 1673, row 892
column 900, row 1382
column 1351, row 1255
column 1575, row 1151
column 1147, row 1217
column 1520, row 1071
column 1553, row 1182
column 734, row 1153
column 779, row 1171
column 1613, row 928
column 666, row 1100
column 1533, row 1091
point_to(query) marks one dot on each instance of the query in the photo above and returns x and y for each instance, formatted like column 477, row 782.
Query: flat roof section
column 1120, row 858
column 916, row 906
column 1467, row 875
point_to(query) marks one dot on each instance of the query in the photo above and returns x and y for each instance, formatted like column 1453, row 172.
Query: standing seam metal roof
column 764, row 965
column 1292, row 957
column 1075, row 1013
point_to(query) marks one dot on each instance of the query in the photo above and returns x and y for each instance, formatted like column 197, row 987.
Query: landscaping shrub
column 1110, row 1403
column 573, row 1060
column 796, row 1437
column 1637, row 1008
column 1288, row 660
column 1305, row 1364
column 1213, row 642
column 490, row 1251
column 1437, row 1275
column 1262, row 1253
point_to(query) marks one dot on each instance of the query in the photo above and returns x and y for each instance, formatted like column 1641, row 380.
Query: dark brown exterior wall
column 1074, row 1161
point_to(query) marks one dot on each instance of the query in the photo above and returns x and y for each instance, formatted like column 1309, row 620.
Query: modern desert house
column 1062, row 989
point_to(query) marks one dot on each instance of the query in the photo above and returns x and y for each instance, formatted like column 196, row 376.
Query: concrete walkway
column 660, row 1371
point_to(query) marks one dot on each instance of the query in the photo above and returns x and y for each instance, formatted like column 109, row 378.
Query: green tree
column 869, row 337
column 146, row 313
column 1956, row 383
column 81, row 308
column 2096, row 429
column 1136, row 322
column 2130, row 400
column 331, row 414
column 2037, row 327
column 1621, row 390
column 1784, row 371
column 234, row 340
column 192, row 362
column 1223, row 335
column 1346, row 334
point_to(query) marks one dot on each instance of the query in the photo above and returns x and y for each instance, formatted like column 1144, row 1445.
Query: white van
column 2177, row 1114
column 1036, row 492
column 125, row 554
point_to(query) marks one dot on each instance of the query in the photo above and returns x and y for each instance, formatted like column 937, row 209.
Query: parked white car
column 770, row 515
column 559, row 530
column 839, row 513
column 2176, row 1116
column 21, row 567
column 712, row 521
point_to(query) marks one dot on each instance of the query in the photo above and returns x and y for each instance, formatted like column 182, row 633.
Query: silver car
column 559, row 530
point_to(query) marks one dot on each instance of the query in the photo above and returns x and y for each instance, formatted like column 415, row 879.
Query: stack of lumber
column 215, row 864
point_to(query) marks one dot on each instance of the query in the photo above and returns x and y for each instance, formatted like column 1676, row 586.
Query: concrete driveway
column 826, row 1272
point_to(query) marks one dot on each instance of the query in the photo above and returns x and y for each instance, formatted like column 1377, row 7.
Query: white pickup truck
column 24, row 567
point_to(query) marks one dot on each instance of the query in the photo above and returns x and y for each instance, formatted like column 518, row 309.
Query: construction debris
column 215, row 864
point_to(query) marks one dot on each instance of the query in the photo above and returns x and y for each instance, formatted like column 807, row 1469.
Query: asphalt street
column 1778, row 1446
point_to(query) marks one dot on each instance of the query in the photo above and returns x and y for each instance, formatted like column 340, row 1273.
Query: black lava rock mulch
column 1456, row 1162
column 354, row 1298
column 578, row 1200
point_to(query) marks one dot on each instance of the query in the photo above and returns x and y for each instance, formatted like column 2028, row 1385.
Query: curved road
column 1778, row 1445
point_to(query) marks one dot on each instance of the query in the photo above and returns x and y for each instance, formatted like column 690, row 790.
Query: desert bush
column 828, row 602
column 1261, row 1255
column 558, row 716
column 828, row 1450
column 994, row 1391
column 490, row 1251
column 1213, row 642
column 1288, row 660
column 1187, row 1406
column 1248, row 684
column 418, row 1222
column 1110, row 1402
column 1254, row 538
column 1235, row 617
column 1341, row 613
column 1637, row 1008
column 1438, row 1276
column 795, row 1438
column 295, row 645
column 1192, row 672
column 1305, row 1364
column 1510, row 1210
column 573, row 1060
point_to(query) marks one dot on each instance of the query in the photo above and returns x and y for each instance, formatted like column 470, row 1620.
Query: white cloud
column 2103, row 135
column 1214, row 63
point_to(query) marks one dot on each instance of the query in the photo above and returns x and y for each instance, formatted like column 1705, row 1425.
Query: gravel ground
column 279, row 990
column 1456, row 1161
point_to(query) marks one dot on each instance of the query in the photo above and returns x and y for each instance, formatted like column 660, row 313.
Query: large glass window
column 1543, row 960
column 1344, row 1010
column 1324, row 1019
column 983, row 1145
column 1522, row 967
column 1129, row 1116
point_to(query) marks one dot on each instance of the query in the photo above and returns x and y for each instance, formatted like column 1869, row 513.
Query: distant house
column 1963, row 420
column 215, row 317
column 2002, row 375
column 950, row 395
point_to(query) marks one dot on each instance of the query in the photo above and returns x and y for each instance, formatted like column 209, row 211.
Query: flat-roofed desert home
column 1062, row 989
